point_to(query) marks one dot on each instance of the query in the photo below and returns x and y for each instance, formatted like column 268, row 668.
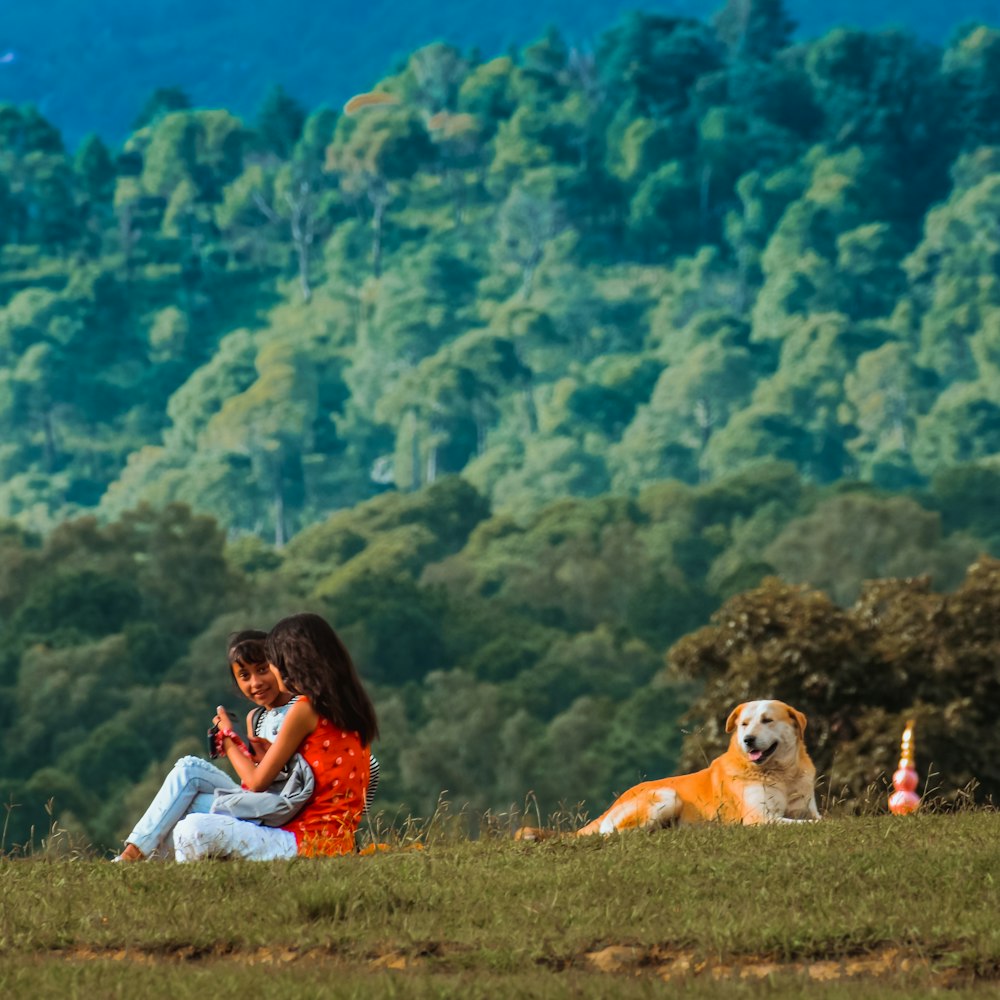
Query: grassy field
column 872, row 907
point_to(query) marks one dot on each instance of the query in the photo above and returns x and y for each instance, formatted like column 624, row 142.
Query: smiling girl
column 190, row 786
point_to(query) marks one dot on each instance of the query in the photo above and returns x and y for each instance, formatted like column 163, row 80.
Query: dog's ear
column 733, row 716
column 798, row 719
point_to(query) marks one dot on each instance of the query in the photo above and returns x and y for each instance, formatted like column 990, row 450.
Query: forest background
column 582, row 387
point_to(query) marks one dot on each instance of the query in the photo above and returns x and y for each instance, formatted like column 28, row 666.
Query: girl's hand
column 299, row 723
column 259, row 746
column 223, row 721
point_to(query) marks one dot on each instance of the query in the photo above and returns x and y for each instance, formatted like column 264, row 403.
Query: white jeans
column 212, row 835
column 188, row 788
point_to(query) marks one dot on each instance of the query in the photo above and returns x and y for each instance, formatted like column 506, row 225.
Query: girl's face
column 260, row 684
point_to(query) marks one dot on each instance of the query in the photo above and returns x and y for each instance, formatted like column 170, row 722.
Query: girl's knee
column 187, row 829
column 195, row 767
column 197, row 836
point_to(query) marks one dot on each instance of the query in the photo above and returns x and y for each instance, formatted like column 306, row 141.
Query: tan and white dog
column 765, row 776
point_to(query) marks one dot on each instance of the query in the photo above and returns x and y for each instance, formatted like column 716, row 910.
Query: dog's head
column 766, row 732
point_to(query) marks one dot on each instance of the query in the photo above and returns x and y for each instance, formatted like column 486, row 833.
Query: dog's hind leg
column 639, row 809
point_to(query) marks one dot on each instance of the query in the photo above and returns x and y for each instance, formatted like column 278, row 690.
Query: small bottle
column 904, row 799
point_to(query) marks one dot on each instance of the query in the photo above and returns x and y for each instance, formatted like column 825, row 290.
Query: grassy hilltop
column 849, row 907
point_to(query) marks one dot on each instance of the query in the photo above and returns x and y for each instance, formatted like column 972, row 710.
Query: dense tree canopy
column 700, row 247
column 512, row 657
column 518, row 369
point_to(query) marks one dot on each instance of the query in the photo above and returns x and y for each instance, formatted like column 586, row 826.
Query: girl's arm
column 256, row 744
column 299, row 723
column 250, row 737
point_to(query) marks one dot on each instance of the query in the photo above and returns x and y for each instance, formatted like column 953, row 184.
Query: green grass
column 907, row 907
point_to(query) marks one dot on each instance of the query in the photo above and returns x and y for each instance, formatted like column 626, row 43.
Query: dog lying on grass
column 765, row 776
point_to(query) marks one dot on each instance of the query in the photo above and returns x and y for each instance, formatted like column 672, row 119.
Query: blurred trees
column 787, row 245
column 92, row 626
column 901, row 651
column 511, row 658
column 517, row 368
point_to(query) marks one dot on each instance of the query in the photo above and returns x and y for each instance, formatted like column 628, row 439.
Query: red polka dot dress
column 340, row 764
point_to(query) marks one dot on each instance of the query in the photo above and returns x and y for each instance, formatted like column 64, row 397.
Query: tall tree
column 372, row 154
column 271, row 423
column 279, row 122
column 754, row 29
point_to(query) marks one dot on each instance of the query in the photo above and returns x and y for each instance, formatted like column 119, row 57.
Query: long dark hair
column 313, row 661
column 247, row 648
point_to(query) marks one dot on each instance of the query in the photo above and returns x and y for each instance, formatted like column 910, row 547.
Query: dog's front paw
column 533, row 833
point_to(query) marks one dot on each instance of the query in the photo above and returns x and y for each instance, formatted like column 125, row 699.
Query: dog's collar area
column 759, row 756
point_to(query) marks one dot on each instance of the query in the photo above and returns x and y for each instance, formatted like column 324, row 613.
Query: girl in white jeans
column 191, row 783
column 190, row 786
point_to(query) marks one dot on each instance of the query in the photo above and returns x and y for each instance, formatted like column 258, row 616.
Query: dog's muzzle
column 755, row 755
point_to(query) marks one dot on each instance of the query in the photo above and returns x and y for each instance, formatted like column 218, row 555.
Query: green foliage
column 160, row 102
column 652, row 63
column 858, row 536
column 517, row 373
column 280, row 121
column 966, row 499
column 754, row 29
column 506, row 658
column 437, row 283
column 902, row 651
column 98, row 617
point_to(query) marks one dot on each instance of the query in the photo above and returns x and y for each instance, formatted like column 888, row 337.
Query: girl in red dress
column 332, row 725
